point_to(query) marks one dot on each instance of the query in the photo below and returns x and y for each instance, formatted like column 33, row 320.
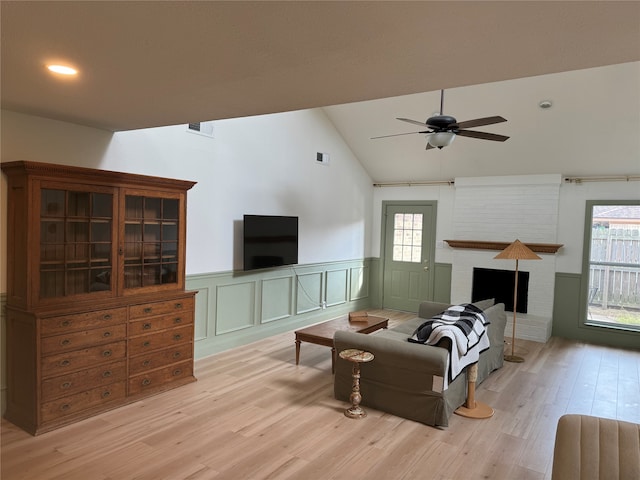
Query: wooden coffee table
column 322, row 333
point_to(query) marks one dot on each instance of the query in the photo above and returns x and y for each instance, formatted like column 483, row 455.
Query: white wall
column 591, row 129
column 570, row 218
column 444, row 195
column 503, row 209
column 265, row 165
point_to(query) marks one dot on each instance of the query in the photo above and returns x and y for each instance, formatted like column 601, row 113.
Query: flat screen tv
column 270, row 241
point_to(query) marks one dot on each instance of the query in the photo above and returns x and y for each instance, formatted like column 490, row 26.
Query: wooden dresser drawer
column 161, row 358
column 63, row 363
column 57, row 387
column 83, row 400
column 83, row 321
column 161, row 308
column 157, row 378
column 73, row 341
column 163, row 322
column 162, row 339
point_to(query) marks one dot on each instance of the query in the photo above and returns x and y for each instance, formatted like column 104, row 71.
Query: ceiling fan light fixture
column 441, row 139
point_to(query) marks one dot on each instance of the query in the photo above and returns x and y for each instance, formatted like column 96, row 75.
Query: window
column 613, row 266
column 407, row 237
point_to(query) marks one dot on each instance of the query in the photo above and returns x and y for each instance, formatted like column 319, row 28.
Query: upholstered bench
column 596, row 448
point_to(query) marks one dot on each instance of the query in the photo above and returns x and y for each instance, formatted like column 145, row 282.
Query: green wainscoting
column 442, row 282
column 569, row 310
column 236, row 308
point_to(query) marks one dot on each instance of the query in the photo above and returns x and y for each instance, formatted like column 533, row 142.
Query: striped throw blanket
column 465, row 326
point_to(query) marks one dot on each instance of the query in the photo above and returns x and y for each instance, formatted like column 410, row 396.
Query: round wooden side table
column 357, row 357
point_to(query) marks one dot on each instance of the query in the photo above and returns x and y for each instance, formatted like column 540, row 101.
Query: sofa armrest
column 394, row 353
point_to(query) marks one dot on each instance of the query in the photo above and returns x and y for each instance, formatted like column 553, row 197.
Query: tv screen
column 270, row 241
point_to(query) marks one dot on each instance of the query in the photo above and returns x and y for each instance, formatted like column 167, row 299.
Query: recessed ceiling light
column 62, row 69
column 544, row 104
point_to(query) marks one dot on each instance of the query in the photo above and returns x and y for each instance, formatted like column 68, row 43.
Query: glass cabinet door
column 151, row 236
column 76, row 242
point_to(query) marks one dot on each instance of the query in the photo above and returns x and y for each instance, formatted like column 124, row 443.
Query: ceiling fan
column 442, row 129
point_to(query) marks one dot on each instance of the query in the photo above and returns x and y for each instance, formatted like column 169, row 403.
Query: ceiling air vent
column 201, row 128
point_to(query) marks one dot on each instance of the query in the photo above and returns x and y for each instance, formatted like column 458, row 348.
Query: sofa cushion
column 484, row 304
column 397, row 333
column 428, row 309
column 595, row 448
column 406, row 328
column 497, row 319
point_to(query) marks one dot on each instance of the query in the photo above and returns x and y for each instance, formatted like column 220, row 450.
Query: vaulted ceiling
column 146, row 63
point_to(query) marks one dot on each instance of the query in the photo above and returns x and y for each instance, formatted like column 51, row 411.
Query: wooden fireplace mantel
column 484, row 245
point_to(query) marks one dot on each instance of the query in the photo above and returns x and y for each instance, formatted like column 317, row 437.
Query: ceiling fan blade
column 482, row 135
column 479, row 122
column 397, row 135
column 415, row 122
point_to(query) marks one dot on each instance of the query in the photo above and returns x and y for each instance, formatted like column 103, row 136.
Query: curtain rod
column 430, row 183
column 618, row 178
column 415, row 184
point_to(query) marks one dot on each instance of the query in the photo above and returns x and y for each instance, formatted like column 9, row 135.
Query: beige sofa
column 405, row 379
column 593, row 448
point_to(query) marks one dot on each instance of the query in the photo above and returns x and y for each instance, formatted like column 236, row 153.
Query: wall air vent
column 201, row 128
column 322, row 158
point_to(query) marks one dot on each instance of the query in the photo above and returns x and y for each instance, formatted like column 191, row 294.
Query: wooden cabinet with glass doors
column 97, row 312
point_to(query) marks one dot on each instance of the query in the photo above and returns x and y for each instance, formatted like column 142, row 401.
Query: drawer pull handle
column 146, row 326
column 107, row 317
column 106, row 374
column 65, row 385
column 177, row 372
column 106, row 394
column 177, row 320
column 64, row 407
column 66, row 323
column 65, row 342
column 178, row 305
column 147, row 310
column 177, row 336
column 146, row 363
column 65, row 363
column 177, row 355
column 106, row 334
column 106, row 353
column 146, row 344
column 146, row 382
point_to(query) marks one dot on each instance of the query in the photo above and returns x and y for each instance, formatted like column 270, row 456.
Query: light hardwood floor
column 254, row 414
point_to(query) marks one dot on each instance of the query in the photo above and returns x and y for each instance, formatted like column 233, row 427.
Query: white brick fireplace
column 501, row 209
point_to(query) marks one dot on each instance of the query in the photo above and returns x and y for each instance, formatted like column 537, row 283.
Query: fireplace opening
column 499, row 284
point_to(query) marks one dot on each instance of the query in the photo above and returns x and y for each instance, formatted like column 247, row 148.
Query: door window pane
column 407, row 237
